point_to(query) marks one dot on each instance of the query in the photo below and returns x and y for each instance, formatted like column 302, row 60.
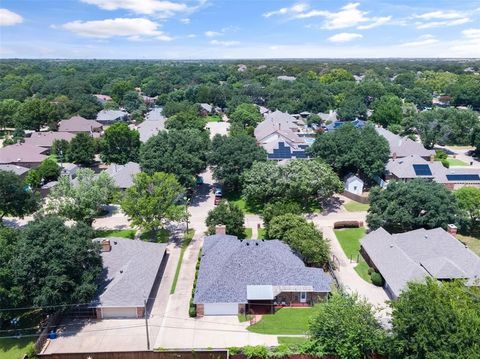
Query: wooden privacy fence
column 192, row 354
column 356, row 197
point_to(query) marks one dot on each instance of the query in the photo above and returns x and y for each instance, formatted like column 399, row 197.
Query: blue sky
column 205, row 29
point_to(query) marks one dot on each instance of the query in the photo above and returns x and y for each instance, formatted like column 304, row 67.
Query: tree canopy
column 153, row 200
column 405, row 206
column 82, row 149
column 228, row 214
column 348, row 149
column 120, row 144
column 15, row 198
column 182, row 153
column 245, row 118
column 231, row 156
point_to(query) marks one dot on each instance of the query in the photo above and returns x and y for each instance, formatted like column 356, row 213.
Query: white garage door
column 119, row 312
column 220, row 308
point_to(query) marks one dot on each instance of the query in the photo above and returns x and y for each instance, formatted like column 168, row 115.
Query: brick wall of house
column 200, row 310
column 140, row 312
column 98, row 312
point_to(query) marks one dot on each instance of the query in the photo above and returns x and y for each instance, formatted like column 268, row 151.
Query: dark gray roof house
column 130, row 270
column 18, row 170
column 123, row 175
column 404, row 146
column 235, row 275
column 108, row 117
column 413, row 256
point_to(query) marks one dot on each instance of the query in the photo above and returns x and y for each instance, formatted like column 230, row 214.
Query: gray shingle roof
column 228, row 266
column 414, row 255
column 18, row 170
column 78, row 124
column 130, row 270
column 22, row 153
column 150, row 128
column 108, row 116
column 155, row 114
column 123, row 175
column 403, row 146
column 278, row 122
column 46, row 139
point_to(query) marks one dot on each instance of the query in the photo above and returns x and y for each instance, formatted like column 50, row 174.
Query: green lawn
column 14, row 348
column 214, row 118
column 123, row 233
column 241, row 203
column 248, row 233
column 285, row 321
column 349, row 239
column 261, row 233
column 472, row 242
column 163, row 236
column 186, row 241
column 455, row 162
column 353, row 206
column 292, row 340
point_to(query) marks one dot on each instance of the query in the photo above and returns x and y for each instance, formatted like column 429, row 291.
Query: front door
column 303, row 297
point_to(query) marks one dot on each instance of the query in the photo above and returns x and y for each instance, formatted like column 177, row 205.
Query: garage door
column 119, row 312
column 220, row 308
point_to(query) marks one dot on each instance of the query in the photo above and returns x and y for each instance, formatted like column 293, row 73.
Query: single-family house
column 404, row 146
column 254, row 276
column 155, row 114
column 78, row 124
column 18, row 170
column 286, row 78
column 279, row 135
column 23, row 154
column 353, row 184
column 46, row 139
column 328, row 117
column 263, row 110
column 108, row 117
column 148, row 129
column 414, row 166
column 413, row 256
column 205, row 109
column 123, row 175
column 130, row 273
column 149, row 101
column 102, row 98
column 69, row 170
column 357, row 123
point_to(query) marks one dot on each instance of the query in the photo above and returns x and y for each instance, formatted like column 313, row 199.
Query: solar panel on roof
column 466, row 177
column 422, row 170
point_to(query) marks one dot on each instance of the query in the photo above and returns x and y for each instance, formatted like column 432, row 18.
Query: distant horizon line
column 244, row 59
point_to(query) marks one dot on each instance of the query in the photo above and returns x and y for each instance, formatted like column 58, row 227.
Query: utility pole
column 146, row 323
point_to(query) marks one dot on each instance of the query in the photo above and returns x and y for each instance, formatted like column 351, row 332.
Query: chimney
column 220, row 229
column 452, row 230
column 394, row 156
column 106, row 246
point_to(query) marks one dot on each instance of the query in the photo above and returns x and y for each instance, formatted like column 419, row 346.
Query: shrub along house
column 254, row 276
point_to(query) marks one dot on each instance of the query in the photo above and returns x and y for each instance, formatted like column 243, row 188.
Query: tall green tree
column 55, row 264
column 82, row 199
column 469, row 202
column 348, row 149
column 60, row 149
column 244, row 119
column 405, row 206
column 228, row 214
column 120, row 144
column 387, row 110
column 49, row 170
column 15, row 198
column 35, row 113
column 345, row 326
column 185, row 120
column 82, row 149
column 231, row 156
column 182, row 153
column 436, row 320
column 153, row 200
column 8, row 112
column 351, row 108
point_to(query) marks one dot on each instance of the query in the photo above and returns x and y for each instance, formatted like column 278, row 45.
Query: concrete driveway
column 220, row 128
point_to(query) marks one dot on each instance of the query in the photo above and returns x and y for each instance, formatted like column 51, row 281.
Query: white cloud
column 348, row 16
column 440, row 15
column 134, row 28
column 344, row 37
column 224, row 43
column 471, row 33
column 160, row 8
column 185, row 20
column 429, row 25
column 9, row 18
column 441, row 18
column 379, row 21
column 212, row 33
column 295, row 9
column 424, row 40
